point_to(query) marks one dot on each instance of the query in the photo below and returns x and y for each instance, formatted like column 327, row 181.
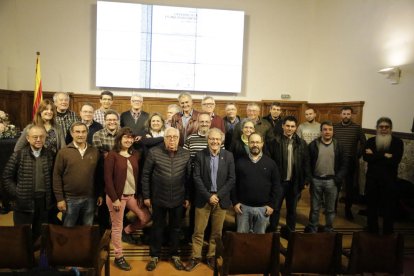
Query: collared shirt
column 289, row 159
column 135, row 115
column 258, row 157
column 230, row 125
column 65, row 120
column 36, row 153
column 104, row 140
column 214, row 162
column 99, row 116
column 185, row 118
column 81, row 151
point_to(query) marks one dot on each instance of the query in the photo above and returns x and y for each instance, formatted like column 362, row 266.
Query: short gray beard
column 383, row 142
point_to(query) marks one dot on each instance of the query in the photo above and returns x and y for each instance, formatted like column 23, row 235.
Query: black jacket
column 165, row 179
column 340, row 165
column 19, row 180
column 301, row 173
column 202, row 178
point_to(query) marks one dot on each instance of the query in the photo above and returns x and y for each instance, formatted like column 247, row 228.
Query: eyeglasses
column 208, row 104
column 136, row 101
column 384, row 126
column 111, row 120
column 172, row 137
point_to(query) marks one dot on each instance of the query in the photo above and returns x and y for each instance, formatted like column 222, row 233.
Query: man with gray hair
column 86, row 114
column 186, row 120
column 383, row 153
column 64, row 117
column 214, row 178
column 172, row 109
column 208, row 104
column 135, row 118
column 165, row 177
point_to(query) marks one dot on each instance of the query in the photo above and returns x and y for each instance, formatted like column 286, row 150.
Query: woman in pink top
column 121, row 186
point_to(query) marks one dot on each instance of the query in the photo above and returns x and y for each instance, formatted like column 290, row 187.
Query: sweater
column 74, row 176
column 116, row 173
column 256, row 183
column 351, row 137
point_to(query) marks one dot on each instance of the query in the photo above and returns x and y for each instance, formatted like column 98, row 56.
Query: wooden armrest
column 105, row 239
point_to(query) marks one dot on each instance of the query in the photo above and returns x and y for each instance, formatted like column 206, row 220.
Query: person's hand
column 237, row 208
column 214, row 200
column 99, row 201
column 61, row 205
column 369, row 151
column 269, row 210
column 186, row 203
column 388, row 155
column 116, row 205
column 137, row 138
column 147, row 202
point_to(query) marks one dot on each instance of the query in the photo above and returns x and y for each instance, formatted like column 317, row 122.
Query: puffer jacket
column 165, row 179
column 19, row 180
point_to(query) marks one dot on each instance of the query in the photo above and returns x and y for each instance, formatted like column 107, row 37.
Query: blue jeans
column 322, row 191
column 79, row 209
column 253, row 219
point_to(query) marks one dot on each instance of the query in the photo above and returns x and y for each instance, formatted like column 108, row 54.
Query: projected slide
column 171, row 48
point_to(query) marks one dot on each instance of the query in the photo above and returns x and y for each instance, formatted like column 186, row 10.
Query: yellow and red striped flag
column 37, row 98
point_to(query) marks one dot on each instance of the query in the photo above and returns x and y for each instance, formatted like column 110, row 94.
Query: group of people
column 157, row 168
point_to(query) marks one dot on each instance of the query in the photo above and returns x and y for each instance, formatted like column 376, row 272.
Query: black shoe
column 176, row 262
column 349, row 215
column 192, row 264
column 121, row 263
column 211, row 262
column 128, row 238
column 152, row 264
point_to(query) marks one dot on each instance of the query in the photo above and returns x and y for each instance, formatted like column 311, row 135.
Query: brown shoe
column 211, row 262
column 176, row 262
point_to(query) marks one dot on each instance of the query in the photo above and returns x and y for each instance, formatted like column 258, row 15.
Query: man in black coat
column 27, row 178
column 213, row 178
column 164, row 182
column 383, row 154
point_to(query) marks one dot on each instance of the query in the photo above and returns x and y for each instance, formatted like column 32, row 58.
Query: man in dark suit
column 135, row 118
column 214, row 178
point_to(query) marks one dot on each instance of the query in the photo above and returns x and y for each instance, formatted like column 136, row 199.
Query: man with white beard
column 383, row 154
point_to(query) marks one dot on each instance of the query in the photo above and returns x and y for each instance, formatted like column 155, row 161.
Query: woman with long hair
column 154, row 133
column 240, row 146
column 121, row 187
column 45, row 117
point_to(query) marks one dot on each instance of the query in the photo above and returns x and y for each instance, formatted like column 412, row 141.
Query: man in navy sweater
column 257, row 181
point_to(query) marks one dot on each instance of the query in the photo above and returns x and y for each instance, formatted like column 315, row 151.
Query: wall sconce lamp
column 392, row 73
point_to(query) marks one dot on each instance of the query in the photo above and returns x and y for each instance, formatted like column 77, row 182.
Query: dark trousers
column 285, row 191
column 159, row 222
column 381, row 198
column 350, row 182
column 35, row 218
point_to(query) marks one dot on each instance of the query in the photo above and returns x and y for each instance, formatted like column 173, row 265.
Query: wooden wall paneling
column 332, row 111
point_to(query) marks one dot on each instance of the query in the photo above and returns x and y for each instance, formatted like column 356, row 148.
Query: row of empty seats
column 318, row 253
column 236, row 253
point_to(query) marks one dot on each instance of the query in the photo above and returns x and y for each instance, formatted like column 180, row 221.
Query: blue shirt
column 214, row 161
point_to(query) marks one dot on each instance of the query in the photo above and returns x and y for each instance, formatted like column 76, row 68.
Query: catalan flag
column 37, row 98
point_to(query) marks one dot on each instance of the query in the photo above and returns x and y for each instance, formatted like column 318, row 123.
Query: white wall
column 352, row 40
column 276, row 55
column 316, row 50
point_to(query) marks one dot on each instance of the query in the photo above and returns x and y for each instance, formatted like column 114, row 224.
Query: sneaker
column 152, row 264
column 121, row 263
column 211, row 262
column 176, row 262
column 192, row 264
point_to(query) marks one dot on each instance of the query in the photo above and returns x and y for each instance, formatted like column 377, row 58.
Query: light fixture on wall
column 392, row 73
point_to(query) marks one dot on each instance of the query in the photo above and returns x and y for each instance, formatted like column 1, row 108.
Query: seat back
column 16, row 248
column 376, row 253
column 71, row 246
column 313, row 253
column 248, row 253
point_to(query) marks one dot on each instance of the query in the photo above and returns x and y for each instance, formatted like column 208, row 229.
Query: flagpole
column 38, row 95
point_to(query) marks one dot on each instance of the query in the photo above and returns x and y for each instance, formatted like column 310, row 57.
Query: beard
column 383, row 142
column 254, row 151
